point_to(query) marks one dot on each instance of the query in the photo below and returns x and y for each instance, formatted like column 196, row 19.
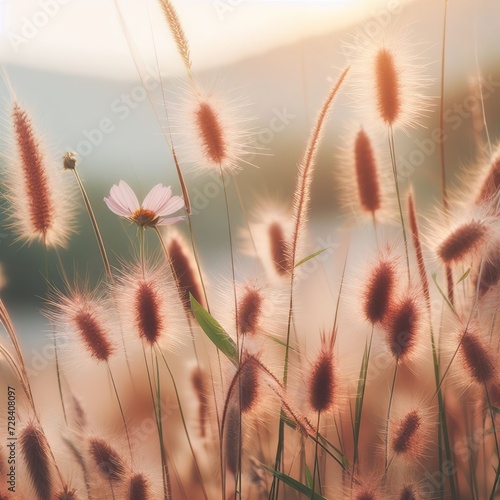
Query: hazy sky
column 85, row 35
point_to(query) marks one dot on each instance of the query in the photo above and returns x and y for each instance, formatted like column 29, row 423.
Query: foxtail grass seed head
column 185, row 271
column 402, row 327
column 139, row 488
column 250, row 309
column 41, row 207
column 279, row 249
column 378, row 296
column 232, row 439
column 83, row 314
column 201, row 387
column 490, row 185
column 67, row 494
column 388, row 86
column 149, row 322
column 369, row 192
column 322, row 380
column 211, row 133
column 106, row 459
column 249, row 384
column 407, row 435
column 477, row 357
column 408, row 493
column 463, row 241
column 488, row 275
column 389, row 81
column 37, row 457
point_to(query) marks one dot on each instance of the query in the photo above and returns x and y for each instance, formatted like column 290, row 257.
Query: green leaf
column 309, row 478
column 281, row 343
column 293, row 483
column 309, row 257
column 214, row 331
column 464, row 276
column 450, row 305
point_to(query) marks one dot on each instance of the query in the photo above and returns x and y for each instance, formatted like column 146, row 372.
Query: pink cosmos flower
column 158, row 203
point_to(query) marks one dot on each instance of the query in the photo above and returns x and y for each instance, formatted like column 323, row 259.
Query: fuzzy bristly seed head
column 322, row 383
column 408, row 493
column 402, row 327
column 106, row 459
column 388, row 88
column 249, row 384
column 491, row 184
column 477, row 358
column 67, row 494
column 36, row 453
column 232, row 439
column 211, row 133
column 185, row 274
column 379, row 291
column 279, row 254
column 200, row 385
column 406, row 433
column 488, row 275
column 250, row 311
column 149, row 321
column 93, row 335
column 366, row 174
column 139, row 488
column 365, row 495
column 462, row 241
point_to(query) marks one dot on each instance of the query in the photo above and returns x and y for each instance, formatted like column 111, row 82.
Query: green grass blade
column 309, row 257
column 214, row 331
column 296, row 485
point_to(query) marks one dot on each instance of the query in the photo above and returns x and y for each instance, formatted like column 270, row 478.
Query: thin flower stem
column 58, row 372
column 389, row 407
column 95, row 226
column 315, row 469
column 122, row 413
column 398, row 196
column 198, row 470
column 441, row 112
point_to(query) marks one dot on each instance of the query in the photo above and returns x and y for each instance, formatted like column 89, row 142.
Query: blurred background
column 71, row 66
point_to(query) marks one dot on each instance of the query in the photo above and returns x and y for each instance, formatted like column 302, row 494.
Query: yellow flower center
column 144, row 217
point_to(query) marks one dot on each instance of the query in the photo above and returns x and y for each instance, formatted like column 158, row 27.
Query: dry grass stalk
column 177, row 31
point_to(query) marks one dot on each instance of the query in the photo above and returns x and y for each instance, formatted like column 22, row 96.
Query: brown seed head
column 477, row 358
column 402, row 326
column 149, row 321
column 36, row 453
column 322, row 383
column 379, row 291
column 36, row 184
column 67, row 494
column 232, row 439
column 186, row 277
column 211, row 133
column 93, row 334
column 491, row 183
column 200, row 384
column 106, row 459
column 387, row 86
column 250, row 311
column 408, row 493
column 462, row 241
column 139, row 488
column 366, row 174
column 249, row 384
column 279, row 253
column 406, row 438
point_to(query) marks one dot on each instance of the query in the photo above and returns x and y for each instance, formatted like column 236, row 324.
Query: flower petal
column 157, row 197
column 116, row 207
column 170, row 206
column 171, row 220
column 125, row 196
